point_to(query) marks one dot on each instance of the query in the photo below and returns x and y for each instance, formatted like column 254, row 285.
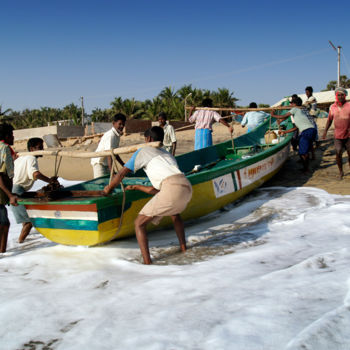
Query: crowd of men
column 171, row 189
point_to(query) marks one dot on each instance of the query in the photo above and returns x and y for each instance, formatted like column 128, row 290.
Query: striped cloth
column 203, row 138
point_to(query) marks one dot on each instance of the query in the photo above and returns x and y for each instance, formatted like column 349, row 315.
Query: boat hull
column 92, row 222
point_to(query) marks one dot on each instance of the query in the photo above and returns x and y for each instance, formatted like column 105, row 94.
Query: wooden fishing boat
column 219, row 174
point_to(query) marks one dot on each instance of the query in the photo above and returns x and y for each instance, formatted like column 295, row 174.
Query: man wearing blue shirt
column 253, row 119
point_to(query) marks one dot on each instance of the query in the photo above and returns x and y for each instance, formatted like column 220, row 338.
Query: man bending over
column 171, row 188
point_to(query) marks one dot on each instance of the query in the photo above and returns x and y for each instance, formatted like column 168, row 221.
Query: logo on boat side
column 223, row 185
column 57, row 214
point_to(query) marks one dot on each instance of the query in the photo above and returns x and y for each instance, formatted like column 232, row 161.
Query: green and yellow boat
column 219, row 174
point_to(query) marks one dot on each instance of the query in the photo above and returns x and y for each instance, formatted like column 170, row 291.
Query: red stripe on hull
column 67, row 207
column 239, row 179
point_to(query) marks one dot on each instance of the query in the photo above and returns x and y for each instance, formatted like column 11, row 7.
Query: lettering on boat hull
column 258, row 170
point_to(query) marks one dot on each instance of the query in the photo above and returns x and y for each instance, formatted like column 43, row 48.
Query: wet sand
column 323, row 174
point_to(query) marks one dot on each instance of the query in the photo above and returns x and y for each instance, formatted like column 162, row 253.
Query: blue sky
column 53, row 52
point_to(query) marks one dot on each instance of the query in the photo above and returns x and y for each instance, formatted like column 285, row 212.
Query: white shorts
column 100, row 170
column 173, row 197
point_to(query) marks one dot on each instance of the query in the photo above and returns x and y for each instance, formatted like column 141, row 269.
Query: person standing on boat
column 340, row 113
column 253, row 119
column 171, row 188
column 204, row 120
column 169, row 143
column 26, row 172
column 6, row 175
column 110, row 140
column 307, row 131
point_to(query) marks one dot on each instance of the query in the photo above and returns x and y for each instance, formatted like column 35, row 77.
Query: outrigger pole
column 236, row 110
column 83, row 154
column 231, row 109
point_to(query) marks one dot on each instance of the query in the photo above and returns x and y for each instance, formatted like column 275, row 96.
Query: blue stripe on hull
column 65, row 224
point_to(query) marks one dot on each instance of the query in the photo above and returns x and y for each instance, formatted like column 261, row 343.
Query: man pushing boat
column 171, row 188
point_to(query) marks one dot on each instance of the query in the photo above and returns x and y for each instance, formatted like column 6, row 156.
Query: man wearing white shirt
column 171, row 188
column 311, row 105
column 110, row 140
column 26, row 172
column 169, row 142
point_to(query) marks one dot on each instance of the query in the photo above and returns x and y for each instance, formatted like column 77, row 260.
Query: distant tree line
column 344, row 82
column 168, row 100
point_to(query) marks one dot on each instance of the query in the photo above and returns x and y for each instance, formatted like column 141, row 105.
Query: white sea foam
column 270, row 272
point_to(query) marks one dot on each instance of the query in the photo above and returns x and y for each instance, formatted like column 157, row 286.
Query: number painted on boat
column 223, row 185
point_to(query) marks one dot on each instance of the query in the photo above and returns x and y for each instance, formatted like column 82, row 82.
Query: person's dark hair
column 207, row 102
column 294, row 97
column 156, row 133
column 309, row 88
column 119, row 116
column 5, row 130
column 253, row 105
column 33, row 142
column 298, row 101
column 163, row 115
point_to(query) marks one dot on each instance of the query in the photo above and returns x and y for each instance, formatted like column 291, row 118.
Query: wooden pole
column 224, row 109
column 233, row 142
column 82, row 110
column 82, row 154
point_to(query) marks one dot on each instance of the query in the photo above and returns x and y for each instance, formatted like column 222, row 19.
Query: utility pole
column 186, row 105
column 338, row 51
column 82, row 110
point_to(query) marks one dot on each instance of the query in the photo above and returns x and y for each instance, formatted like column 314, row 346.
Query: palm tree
column 117, row 105
column 4, row 114
column 167, row 94
column 224, row 98
column 71, row 112
column 101, row 115
column 152, row 108
column 132, row 108
column 184, row 91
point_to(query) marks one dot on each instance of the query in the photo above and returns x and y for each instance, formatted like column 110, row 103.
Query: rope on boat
column 57, row 164
column 233, row 142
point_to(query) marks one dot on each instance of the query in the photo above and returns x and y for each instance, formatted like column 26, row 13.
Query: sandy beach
column 263, row 274
column 323, row 172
